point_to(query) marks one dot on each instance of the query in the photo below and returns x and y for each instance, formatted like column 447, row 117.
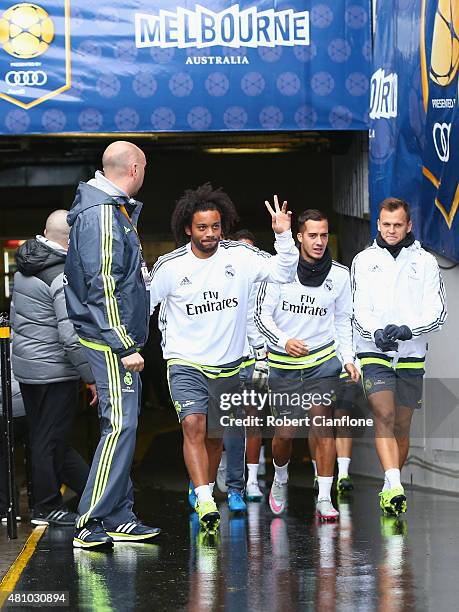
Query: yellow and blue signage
column 151, row 65
column 414, row 119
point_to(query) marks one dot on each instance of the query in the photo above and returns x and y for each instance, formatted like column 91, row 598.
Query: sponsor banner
column 414, row 120
column 150, row 65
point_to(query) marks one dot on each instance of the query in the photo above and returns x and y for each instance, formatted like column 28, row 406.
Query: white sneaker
column 278, row 497
column 221, row 474
column 253, row 492
column 325, row 510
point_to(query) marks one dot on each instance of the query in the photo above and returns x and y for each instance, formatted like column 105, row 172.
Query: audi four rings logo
column 441, row 132
column 21, row 78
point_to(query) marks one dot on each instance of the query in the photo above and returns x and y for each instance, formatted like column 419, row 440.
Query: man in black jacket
column 108, row 302
column 48, row 362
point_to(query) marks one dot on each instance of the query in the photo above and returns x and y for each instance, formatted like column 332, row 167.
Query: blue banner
column 414, row 119
column 151, row 65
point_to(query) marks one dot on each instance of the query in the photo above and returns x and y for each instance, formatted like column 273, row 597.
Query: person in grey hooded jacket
column 48, row 362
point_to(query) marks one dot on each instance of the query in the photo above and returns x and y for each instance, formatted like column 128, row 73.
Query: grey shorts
column 198, row 389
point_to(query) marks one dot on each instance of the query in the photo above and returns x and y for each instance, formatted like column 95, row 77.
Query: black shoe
column 133, row 532
column 92, row 535
column 55, row 518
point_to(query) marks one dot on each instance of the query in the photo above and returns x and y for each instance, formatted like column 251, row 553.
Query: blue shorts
column 195, row 388
column 350, row 393
column 405, row 380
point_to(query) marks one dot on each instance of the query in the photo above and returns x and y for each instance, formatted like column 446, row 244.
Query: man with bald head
column 107, row 295
column 48, row 361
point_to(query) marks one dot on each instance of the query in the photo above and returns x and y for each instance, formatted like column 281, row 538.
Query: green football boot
column 344, row 484
column 209, row 516
column 393, row 501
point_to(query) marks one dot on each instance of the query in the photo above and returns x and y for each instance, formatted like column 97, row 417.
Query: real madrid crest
column 229, row 271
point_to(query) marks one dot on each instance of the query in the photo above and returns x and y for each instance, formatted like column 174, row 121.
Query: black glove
column 383, row 342
column 396, row 332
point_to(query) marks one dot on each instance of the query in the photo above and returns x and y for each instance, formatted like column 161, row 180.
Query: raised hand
column 281, row 217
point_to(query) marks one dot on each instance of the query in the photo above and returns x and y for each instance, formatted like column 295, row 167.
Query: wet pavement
column 261, row 562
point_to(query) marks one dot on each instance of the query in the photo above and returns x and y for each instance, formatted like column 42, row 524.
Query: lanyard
column 125, row 213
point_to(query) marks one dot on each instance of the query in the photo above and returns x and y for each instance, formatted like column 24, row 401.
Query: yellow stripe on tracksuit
column 108, row 450
column 108, row 280
column 209, row 371
column 300, row 363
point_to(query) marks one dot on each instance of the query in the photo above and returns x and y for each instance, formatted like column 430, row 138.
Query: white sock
column 252, row 469
column 393, row 478
column 262, row 454
column 203, row 494
column 325, row 485
column 211, row 487
column 281, row 473
column 343, row 466
column 386, row 485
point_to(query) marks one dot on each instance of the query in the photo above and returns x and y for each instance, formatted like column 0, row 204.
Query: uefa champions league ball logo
column 127, row 119
column 288, row 83
column 53, row 120
column 270, row 54
column 235, row 118
column 89, row 50
column 163, row 118
column 253, row 84
column 180, row 85
column 271, row 117
column 356, row 17
column 305, row 117
column 322, row 83
column 217, row 84
column 108, row 86
column 321, row 16
column 144, row 84
column 340, row 117
column 17, row 121
column 26, row 31
column 90, row 120
column 357, row 84
column 339, row 50
column 199, row 118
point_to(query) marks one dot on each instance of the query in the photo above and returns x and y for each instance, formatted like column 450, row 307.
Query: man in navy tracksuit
column 106, row 289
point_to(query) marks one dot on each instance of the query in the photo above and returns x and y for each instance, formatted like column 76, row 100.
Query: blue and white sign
column 150, row 65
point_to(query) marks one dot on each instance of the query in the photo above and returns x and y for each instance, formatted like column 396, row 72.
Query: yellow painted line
column 11, row 578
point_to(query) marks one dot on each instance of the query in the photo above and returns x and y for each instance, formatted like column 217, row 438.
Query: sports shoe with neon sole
column 92, row 536
column 278, row 497
column 393, row 501
column 325, row 511
column 133, row 532
column 209, row 516
column 344, row 484
column 253, row 492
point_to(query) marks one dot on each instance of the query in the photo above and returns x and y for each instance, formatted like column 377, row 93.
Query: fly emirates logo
column 229, row 28
column 211, row 303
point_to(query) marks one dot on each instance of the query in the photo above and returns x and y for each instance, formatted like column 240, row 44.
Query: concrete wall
column 433, row 461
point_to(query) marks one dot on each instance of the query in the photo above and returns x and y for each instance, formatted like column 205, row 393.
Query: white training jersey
column 255, row 338
column 203, row 316
column 316, row 315
column 407, row 290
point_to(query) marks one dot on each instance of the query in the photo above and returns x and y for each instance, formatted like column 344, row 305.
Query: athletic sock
column 314, row 465
column 252, row 469
column 325, row 485
column 386, row 486
column 281, row 473
column 393, row 477
column 204, row 494
column 211, row 487
column 343, row 466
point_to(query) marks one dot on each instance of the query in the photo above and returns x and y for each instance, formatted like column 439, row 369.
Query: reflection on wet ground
column 262, row 562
